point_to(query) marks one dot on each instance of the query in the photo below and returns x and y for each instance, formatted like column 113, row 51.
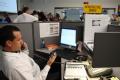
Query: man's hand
column 24, row 46
column 52, row 59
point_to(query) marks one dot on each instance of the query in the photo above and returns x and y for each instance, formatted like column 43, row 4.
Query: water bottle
column 42, row 43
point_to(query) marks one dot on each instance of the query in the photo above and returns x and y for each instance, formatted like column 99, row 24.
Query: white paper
column 49, row 29
column 95, row 23
column 75, row 70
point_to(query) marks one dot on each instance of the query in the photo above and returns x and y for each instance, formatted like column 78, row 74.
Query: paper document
column 75, row 70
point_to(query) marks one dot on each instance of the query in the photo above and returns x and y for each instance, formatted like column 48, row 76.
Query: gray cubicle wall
column 113, row 28
column 72, row 23
column 38, row 38
column 27, row 33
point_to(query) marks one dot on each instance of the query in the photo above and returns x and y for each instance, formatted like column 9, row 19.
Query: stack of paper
column 75, row 70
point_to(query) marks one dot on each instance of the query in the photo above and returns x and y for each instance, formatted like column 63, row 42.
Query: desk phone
column 75, row 70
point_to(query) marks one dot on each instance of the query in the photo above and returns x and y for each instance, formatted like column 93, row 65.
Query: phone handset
column 24, row 46
column 81, row 46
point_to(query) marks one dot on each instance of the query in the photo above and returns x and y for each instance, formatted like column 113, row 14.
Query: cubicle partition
column 113, row 28
column 45, row 33
column 71, row 23
column 115, row 22
column 27, row 33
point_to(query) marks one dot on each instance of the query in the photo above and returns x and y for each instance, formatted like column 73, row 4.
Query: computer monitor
column 9, row 6
column 69, row 36
column 106, row 52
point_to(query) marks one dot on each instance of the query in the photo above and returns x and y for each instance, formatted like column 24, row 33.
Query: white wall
column 48, row 5
column 22, row 3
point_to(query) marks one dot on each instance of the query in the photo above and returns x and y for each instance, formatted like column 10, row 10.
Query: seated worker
column 26, row 16
column 15, row 62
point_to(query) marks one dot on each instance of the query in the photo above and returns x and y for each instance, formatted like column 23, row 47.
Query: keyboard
column 75, row 70
column 66, row 54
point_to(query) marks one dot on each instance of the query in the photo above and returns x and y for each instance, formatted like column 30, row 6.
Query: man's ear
column 8, row 43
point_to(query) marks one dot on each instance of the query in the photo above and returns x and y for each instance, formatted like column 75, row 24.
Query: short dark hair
column 19, row 12
column 24, row 9
column 6, row 33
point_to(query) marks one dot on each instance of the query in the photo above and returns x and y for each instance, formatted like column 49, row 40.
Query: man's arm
column 46, row 69
column 51, row 59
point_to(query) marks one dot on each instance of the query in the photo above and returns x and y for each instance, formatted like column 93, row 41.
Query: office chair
column 2, row 76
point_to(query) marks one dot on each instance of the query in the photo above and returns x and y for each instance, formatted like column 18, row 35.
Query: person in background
column 50, row 17
column 113, row 17
column 6, row 18
column 35, row 13
column 42, row 16
column 57, row 17
column 19, row 12
column 82, row 17
column 26, row 16
column 15, row 62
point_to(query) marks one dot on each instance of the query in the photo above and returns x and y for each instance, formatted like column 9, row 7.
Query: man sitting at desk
column 15, row 62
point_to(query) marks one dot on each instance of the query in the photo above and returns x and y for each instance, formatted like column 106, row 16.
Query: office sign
column 90, row 8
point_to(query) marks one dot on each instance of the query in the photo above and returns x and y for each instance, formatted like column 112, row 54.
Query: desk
column 63, row 65
column 83, row 62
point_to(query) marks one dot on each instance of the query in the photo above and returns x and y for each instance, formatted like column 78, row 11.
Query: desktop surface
column 69, row 54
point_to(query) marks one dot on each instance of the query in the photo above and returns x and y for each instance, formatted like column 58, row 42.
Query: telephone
column 97, row 72
column 82, row 54
column 83, row 48
column 24, row 46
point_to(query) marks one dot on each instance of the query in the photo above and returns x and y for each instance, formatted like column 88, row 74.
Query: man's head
column 10, row 38
column 26, row 10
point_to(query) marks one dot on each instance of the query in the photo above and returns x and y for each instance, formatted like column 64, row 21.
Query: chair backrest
column 2, row 76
